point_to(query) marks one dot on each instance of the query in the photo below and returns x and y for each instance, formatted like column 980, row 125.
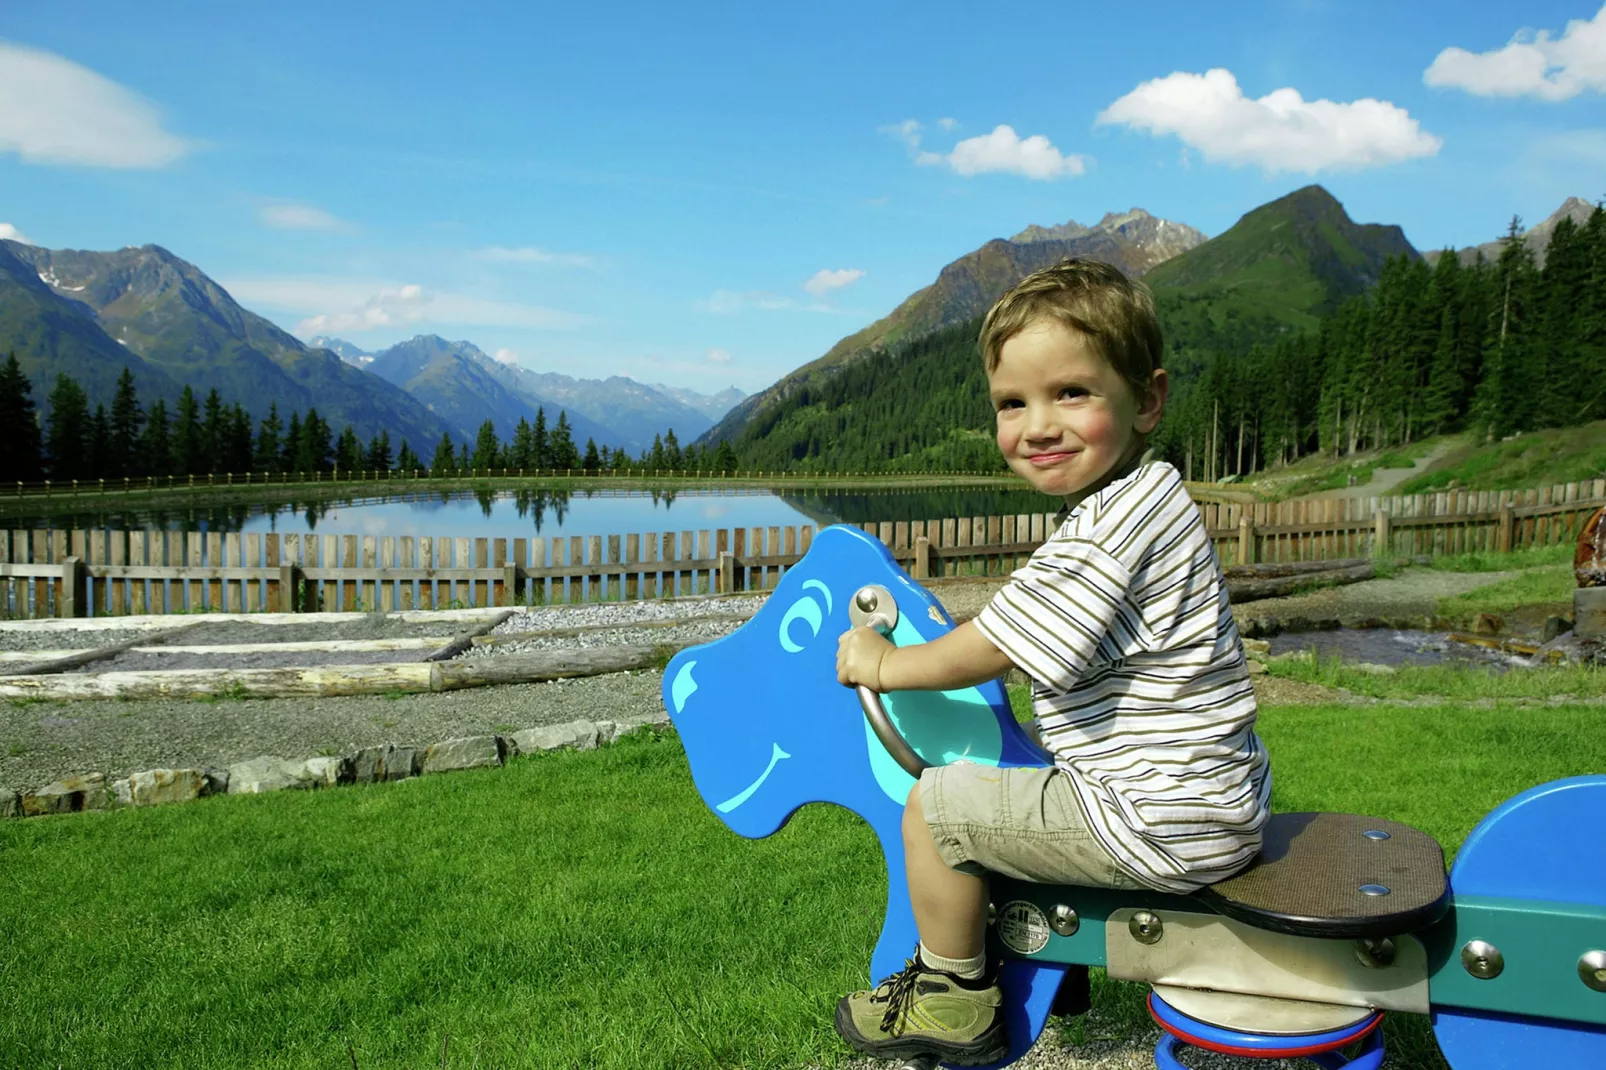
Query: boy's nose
column 1040, row 422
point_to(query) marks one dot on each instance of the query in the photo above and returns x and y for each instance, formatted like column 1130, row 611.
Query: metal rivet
column 1482, row 959
column 1375, row 834
column 1374, row 889
column 1145, row 927
column 1592, row 969
column 1063, row 920
column 992, row 913
column 866, row 599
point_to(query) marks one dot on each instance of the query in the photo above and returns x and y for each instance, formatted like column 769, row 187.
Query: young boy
column 1139, row 683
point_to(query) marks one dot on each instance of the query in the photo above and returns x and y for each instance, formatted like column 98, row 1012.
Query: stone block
column 1589, row 612
column 1256, row 668
column 576, row 735
column 325, row 772
column 217, row 781
column 156, row 787
column 122, row 790
column 385, row 762
column 1554, row 628
column 1258, row 647
column 85, row 791
column 257, row 775
column 607, row 732
column 470, row 752
column 10, row 804
column 1487, row 624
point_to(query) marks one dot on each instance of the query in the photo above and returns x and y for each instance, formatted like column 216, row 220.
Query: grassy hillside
column 1538, row 459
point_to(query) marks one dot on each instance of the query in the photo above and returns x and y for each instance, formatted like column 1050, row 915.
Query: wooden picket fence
column 54, row 572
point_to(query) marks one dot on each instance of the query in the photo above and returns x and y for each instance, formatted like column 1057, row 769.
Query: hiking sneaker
column 922, row 1011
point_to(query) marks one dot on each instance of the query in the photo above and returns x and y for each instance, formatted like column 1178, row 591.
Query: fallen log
column 641, row 625
column 100, row 653
column 334, row 680
column 466, row 639
column 1248, row 590
column 1273, row 569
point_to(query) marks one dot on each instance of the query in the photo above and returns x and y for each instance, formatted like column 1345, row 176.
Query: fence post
column 510, row 585
column 1507, row 522
column 727, row 572
column 1246, row 539
column 922, row 552
column 73, row 601
column 288, row 582
column 1380, row 533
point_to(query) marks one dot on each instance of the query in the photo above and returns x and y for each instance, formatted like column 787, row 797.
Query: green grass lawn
column 570, row 909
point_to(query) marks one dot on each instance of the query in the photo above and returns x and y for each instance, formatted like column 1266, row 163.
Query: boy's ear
column 1153, row 403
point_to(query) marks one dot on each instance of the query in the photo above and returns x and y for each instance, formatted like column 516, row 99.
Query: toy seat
column 1337, row 875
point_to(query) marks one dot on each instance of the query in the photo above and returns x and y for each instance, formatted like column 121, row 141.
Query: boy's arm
column 959, row 658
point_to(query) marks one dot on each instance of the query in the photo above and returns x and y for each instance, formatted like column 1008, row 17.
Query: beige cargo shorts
column 1022, row 822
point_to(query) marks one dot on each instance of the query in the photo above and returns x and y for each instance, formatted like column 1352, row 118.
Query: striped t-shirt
column 1139, row 682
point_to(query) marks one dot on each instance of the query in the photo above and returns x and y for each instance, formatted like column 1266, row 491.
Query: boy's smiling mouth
column 1050, row 458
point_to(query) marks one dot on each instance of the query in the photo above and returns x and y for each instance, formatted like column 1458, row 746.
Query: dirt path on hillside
column 1384, row 480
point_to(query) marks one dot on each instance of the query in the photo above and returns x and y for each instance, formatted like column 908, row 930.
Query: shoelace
column 898, row 988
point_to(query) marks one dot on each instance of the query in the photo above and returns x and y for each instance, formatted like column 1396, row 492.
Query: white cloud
column 1281, row 131
column 907, row 132
column 529, row 254
column 717, row 356
column 355, row 305
column 286, row 215
column 506, row 356
column 1004, row 150
column 1532, row 64
column 947, row 124
column 825, row 280
column 53, row 111
column 11, row 233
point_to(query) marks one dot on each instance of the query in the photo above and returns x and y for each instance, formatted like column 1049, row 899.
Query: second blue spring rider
column 1341, row 919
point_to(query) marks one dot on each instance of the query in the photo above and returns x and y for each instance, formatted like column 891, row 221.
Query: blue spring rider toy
column 1341, row 918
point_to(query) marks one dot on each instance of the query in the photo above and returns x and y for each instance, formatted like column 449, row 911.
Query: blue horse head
column 767, row 728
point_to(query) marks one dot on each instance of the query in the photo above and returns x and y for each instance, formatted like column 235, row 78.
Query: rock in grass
column 325, row 772
column 85, row 791
column 471, row 752
column 257, row 775
column 386, row 762
column 156, row 787
column 10, row 804
column 578, row 735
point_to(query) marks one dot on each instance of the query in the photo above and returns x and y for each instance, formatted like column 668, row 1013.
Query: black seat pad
column 1308, row 876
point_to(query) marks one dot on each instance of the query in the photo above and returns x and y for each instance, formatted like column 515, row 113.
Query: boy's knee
column 914, row 814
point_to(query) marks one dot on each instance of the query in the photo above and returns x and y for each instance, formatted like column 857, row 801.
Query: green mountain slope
column 1133, row 241
column 54, row 334
column 187, row 327
column 923, row 404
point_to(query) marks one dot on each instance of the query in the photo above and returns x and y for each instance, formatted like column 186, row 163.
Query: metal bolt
column 1146, row 927
column 1482, row 959
column 1374, row 889
column 1592, row 969
column 866, row 599
column 1375, row 834
column 1375, row 952
column 992, row 913
column 1063, row 920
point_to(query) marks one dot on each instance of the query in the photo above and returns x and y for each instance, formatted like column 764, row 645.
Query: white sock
column 970, row 969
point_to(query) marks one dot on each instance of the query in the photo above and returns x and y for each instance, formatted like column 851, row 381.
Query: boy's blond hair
column 1092, row 298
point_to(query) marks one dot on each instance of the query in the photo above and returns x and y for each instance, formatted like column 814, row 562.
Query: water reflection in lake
column 523, row 513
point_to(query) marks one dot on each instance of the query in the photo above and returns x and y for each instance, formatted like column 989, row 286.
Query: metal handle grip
column 874, row 607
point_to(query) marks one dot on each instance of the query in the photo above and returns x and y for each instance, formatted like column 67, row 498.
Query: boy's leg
column 950, row 906
column 949, row 1007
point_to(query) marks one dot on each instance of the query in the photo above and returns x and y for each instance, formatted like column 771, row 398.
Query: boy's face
column 1065, row 417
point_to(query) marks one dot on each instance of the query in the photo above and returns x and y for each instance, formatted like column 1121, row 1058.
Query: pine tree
column 487, row 451
column 269, row 448
column 1564, row 295
column 67, row 436
column 592, row 462
column 187, row 440
column 99, row 455
column 563, row 451
column 239, row 454
column 348, row 451
column 1444, row 378
column 126, row 421
column 313, row 451
column 519, row 451
column 213, row 433
column 290, row 452
column 22, row 458
column 672, row 455
column 406, row 460
column 1506, row 399
column 378, row 457
column 156, row 443
column 445, row 462
column 540, row 445
column 655, row 457
column 725, row 457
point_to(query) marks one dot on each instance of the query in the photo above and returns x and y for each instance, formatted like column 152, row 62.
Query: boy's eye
column 1073, row 392
column 1008, row 403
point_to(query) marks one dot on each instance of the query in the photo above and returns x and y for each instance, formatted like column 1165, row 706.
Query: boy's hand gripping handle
column 874, row 607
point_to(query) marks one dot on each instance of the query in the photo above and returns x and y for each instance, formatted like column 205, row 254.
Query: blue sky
column 713, row 194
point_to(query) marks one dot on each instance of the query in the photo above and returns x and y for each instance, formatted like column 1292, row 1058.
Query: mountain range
column 1537, row 237
column 90, row 315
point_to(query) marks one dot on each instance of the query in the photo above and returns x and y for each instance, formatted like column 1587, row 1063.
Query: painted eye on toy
column 806, row 609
